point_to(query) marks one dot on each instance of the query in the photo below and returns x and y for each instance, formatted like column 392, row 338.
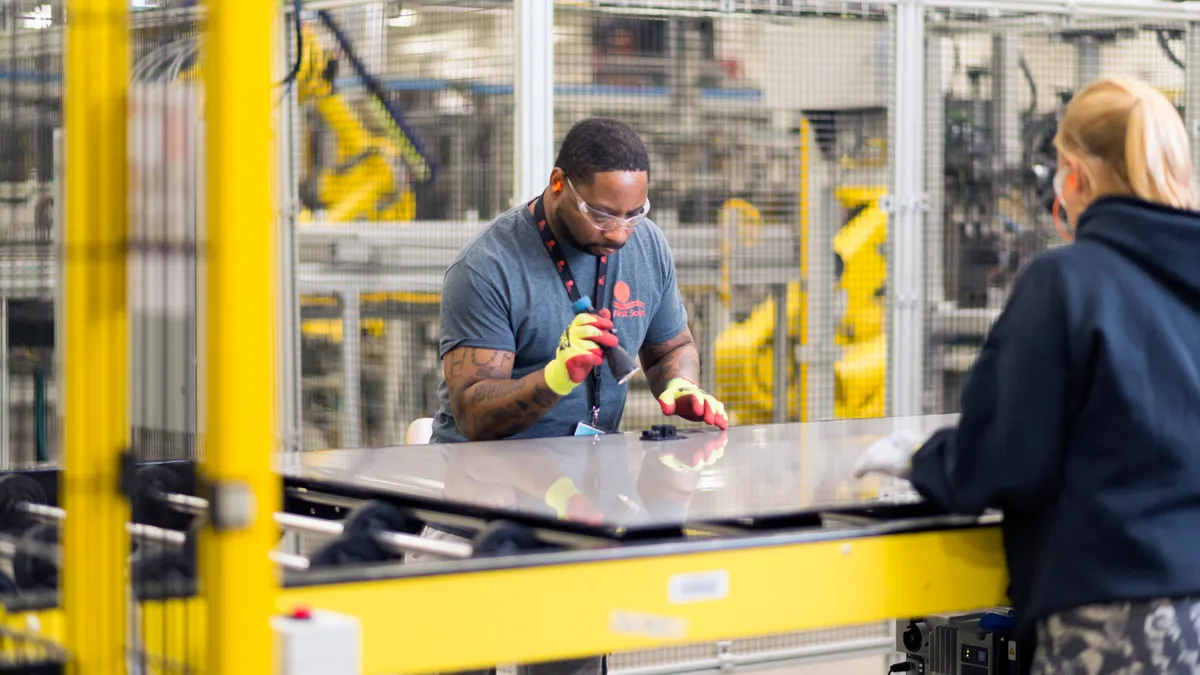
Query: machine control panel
column 974, row 660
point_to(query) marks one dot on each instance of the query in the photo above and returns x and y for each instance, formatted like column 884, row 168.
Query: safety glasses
column 604, row 221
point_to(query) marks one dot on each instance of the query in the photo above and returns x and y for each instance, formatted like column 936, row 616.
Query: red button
column 302, row 613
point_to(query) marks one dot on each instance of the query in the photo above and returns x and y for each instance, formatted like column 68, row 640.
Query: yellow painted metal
column 745, row 364
column 418, row 625
column 860, row 375
column 95, row 357
column 805, row 256
column 595, row 608
column 238, row 580
column 367, row 182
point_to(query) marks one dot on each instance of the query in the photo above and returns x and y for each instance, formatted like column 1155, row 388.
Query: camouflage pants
column 1141, row 638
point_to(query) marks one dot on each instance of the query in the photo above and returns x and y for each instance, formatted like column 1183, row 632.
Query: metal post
column 1087, row 61
column 1006, row 83
column 5, row 387
column 820, row 349
column 533, row 137
column 351, row 369
column 907, row 350
column 934, row 220
column 238, row 580
column 286, row 154
column 1192, row 89
column 96, row 424
column 781, row 357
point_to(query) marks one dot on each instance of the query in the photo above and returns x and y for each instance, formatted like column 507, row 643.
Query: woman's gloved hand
column 891, row 456
column 579, row 351
column 683, row 398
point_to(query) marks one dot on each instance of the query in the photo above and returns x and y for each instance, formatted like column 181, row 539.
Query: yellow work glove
column 570, row 504
column 683, row 398
column 579, row 351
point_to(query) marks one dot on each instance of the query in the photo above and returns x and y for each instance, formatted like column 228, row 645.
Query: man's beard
column 564, row 231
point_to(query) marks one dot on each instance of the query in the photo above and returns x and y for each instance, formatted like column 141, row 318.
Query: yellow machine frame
column 418, row 624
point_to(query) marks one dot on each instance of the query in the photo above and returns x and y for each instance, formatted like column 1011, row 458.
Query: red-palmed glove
column 579, row 350
column 683, row 398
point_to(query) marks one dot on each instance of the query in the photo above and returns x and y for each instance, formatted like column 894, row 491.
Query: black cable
column 291, row 76
column 1033, row 90
column 1166, row 47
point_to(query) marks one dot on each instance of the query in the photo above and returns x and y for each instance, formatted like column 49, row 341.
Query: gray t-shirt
column 502, row 292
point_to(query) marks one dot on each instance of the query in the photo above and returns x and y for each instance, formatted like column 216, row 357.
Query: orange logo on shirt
column 623, row 307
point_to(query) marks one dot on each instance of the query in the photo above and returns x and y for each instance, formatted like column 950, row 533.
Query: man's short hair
column 598, row 145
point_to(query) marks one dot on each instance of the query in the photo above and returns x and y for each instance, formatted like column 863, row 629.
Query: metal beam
column 1192, row 87
column 288, row 157
column 907, row 335
column 1087, row 68
column 350, row 409
column 934, row 218
column 533, row 117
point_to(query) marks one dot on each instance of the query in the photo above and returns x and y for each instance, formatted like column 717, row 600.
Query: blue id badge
column 585, row 429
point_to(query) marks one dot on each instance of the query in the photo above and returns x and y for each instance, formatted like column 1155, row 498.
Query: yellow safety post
column 96, row 426
column 239, row 580
column 801, row 394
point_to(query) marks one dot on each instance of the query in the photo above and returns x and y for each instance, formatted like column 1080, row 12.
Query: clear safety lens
column 607, row 221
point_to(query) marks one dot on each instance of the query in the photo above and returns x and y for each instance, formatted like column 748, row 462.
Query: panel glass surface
column 703, row 475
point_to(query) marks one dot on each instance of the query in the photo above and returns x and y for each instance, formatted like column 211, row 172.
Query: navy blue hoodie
column 1081, row 417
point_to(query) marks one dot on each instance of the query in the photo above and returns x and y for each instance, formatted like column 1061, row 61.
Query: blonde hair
column 1132, row 130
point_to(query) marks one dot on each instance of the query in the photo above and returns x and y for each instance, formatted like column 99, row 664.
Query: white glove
column 891, row 456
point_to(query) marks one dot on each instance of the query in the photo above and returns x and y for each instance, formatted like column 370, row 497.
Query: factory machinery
column 747, row 184
column 990, row 135
column 785, row 195
column 670, row 536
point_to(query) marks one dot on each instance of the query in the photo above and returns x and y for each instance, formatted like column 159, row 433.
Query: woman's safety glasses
column 607, row 222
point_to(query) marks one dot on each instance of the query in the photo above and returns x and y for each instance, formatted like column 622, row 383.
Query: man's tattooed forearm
column 503, row 409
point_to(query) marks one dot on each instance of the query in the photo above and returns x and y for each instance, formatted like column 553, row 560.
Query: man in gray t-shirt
column 517, row 361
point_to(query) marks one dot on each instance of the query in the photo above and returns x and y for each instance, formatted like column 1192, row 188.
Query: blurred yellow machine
column 860, row 375
column 745, row 350
column 371, row 177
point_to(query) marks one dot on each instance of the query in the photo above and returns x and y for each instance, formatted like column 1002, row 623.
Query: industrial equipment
column 978, row 643
column 994, row 122
column 670, row 538
column 372, row 174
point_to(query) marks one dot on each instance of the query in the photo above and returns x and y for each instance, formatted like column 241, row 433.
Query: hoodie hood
column 1162, row 240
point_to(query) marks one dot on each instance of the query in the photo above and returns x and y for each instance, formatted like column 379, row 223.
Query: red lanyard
column 554, row 248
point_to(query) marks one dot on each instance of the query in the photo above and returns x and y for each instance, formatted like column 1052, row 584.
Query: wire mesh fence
column 166, row 274
column 30, row 112
column 997, row 84
column 406, row 152
column 768, row 135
